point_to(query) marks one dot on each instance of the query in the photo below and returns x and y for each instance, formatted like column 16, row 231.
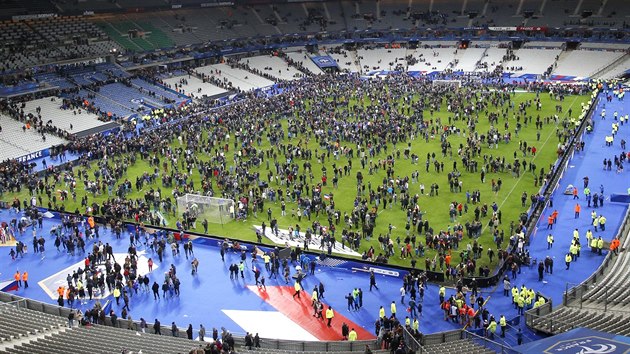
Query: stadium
column 279, row 177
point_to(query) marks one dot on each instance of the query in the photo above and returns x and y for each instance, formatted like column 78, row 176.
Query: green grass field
column 435, row 208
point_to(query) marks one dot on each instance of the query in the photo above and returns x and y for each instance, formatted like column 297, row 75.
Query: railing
column 303, row 346
column 600, row 303
column 420, row 346
column 22, row 303
column 7, row 299
column 574, row 297
column 612, row 65
column 412, row 343
column 538, row 312
column 487, row 343
column 442, row 337
column 559, row 168
column 548, row 325
column 417, row 345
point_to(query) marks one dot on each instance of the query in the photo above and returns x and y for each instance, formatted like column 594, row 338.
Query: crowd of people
column 316, row 110
column 343, row 132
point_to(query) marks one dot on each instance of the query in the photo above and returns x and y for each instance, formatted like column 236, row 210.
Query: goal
column 199, row 207
column 455, row 84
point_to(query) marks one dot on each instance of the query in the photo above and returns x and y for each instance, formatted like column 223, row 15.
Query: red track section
column 300, row 311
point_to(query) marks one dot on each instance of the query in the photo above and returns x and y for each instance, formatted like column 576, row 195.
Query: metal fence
column 21, row 303
column 538, row 312
column 412, row 343
column 547, row 324
column 442, row 337
column 7, row 299
column 487, row 343
column 422, row 345
column 577, row 295
column 318, row 346
column 417, row 345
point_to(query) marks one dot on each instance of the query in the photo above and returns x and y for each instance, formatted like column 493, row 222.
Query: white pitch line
column 521, row 178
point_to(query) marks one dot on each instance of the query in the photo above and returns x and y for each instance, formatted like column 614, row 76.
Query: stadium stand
column 273, row 66
column 107, row 338
column 458, row 346
column 532, row 61
column 303, row 59
column 136, row 36
column 605, row 46
column 52, row 111
column 28, row 326
column 382, row 59
column 266, row 19
column 567, row 318
column 40, row 41
column 136, row 39
column 105, row 103
column 16, row 141
column 193, row 86
column 53, row 79
column 570, row 63
column 492, row 58
column 467, row 60
column 236, row 78
column 346, row 59
column 17, row 322
column 24, row 328
column 18, row 8
column 543, row 44
column 163, row 94
column 615, row 69
column 434, row 56
column 130, row 97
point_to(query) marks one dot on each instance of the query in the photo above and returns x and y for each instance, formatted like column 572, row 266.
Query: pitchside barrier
column 560, row 167
column 343, row 262
column 536, row 211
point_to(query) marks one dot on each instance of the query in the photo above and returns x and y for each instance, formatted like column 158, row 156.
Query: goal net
column 198, row 207
column 453, row 84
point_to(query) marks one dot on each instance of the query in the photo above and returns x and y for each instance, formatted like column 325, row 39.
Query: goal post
column 199, row 207
column 455, row 84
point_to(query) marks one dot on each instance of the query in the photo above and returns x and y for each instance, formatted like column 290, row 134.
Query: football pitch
column 435, row 208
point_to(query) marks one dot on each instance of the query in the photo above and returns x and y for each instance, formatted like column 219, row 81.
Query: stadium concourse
column 210, row 297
